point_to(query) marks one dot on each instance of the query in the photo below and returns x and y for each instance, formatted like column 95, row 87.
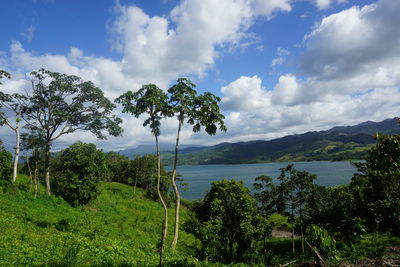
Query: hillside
column 118, row 228
column 338, row 143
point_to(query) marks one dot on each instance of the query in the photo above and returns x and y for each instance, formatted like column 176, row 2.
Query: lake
column 199, row 177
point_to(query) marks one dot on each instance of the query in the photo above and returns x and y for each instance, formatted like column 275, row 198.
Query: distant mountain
column 151, row 149
column 338, row 143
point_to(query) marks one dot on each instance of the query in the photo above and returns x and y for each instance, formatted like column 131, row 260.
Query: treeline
column 78, row 170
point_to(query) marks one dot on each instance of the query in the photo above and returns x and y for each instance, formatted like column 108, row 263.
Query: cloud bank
column 349, row 71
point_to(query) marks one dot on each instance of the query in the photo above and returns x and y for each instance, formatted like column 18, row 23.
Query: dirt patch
column 91, row 209
column 281, row 233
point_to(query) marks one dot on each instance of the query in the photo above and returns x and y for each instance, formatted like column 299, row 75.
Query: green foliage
column 227, row 221
column 118, row 168
column 61, row 104
column 117, row 229
column 202, row 110
column 144, row 169
column 372, row 246
column 266, row 195
column 376, row 187
column 335, row 209
column 4, row 74
column 78, row 170
column 148, row 99
column 140, row 172
column 320, row 238
column 279, row 222
column 68, row 104
column 5, row 164
column 293, row 194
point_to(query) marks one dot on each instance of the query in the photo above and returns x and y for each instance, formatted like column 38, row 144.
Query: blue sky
column 281, row 67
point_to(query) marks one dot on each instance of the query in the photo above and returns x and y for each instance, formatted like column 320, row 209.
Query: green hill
column 338, row 143
column 118, row 228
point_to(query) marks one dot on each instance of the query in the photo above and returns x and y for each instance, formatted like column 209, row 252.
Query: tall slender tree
column 153, row 101
column 292, row 193
column 198, row 111
column 12, row 103
column 61, row 104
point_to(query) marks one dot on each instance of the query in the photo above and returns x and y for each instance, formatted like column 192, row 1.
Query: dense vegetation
column 104, row 208
column 120, row 224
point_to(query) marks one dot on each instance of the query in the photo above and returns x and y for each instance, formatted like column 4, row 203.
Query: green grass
column 279, row 222
column 118, row 228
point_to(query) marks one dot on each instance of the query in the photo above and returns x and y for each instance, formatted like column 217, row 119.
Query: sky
column 280, row 67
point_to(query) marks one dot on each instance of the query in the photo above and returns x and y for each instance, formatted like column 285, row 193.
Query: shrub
column 77, row 172
column 320, row 238
column 5, row 164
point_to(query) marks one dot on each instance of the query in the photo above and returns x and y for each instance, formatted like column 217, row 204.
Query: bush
column 227, row 222
column 77, row 173
column 5, row 164
column 320, row 238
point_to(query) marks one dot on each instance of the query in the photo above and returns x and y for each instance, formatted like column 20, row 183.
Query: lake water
column 199, row 177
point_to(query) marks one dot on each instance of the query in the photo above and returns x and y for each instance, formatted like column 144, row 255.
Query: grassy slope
column 117, row 228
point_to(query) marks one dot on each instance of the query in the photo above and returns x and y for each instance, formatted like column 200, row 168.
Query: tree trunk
column 134, row 184
column 293, row 248
column 17, row 140
column 47, row 168
column 30, row 173
column 36, row 178
column 175, row 187
column 165, row 224
column 301, row 229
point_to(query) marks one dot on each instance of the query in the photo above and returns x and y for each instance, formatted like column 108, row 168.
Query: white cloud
column 354, row 42
column 351, row 70
column 282, row 53
column 268, row 8
column 324, row 4
column 266, row 114
column 154, row 49
column 29, row 32
column 244, row 94
column 277, row 61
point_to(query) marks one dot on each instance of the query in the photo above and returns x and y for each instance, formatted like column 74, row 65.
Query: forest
column 82, row 206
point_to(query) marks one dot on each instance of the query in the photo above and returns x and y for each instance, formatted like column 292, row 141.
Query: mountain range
column 338, row 143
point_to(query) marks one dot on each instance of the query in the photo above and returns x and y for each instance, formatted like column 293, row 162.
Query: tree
column 61, row 104
column 78, row 171
column 118, row 168
column 292, row 193
column 378, row 185
column 153, row 101
column 229, row 221
column 4, row 74
column 33, row 145
column 198, row 111
column 11, row 103
column 144, row 176
column 265, row 195
column 5, row 159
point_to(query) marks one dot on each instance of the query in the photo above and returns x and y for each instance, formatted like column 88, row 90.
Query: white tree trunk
column 165, row 224
column 17, row 141
column 176, row 191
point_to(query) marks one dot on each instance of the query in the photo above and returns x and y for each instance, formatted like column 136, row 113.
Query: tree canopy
column 61, row 104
